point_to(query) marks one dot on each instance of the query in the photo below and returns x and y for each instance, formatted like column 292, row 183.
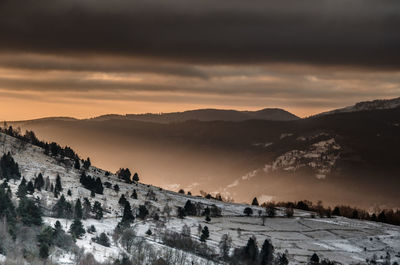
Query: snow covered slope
column 368, row 105
column 340, row 239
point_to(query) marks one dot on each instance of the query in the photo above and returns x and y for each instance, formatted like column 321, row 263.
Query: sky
column 85, row 58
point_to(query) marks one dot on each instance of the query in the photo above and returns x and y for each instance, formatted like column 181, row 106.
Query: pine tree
column 7, row 208
column 134, row 195
column 58, row 186
column 87, row 163
column 87, row 208
column 98, row 186
column 314, row 259
column 47, row 184
column 127, row 216
column 125, row 174
column 69, row 192
column 135, row 177
column 78, row 212
column 122, row 200
column 39, row 182
column 336, row 211
column 282, row 259
column 267, row 253
column 9, row 169
column 77, row 164
column 255, row 202
column 205, row 234
column 251, row 250
column 62, row 209
column 22, row 191
column 30, row 188
column 382, row 217
column 29, row 213
column 97, row 210
column 208, row 219
column 143, row 212
column 181, row 213
column 116, row 188
column 44, row 251
column 190, row 208
column 225, row 245
column 76, row 229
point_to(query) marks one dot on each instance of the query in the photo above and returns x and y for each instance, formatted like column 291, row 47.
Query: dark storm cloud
column 357, row 33
column 96, row 64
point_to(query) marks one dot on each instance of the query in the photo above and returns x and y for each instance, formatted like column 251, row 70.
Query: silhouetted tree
column 76, row 229
column 122, row 200
column 250, row 251
column 248, row 211
column 39, row 182
column 29, row 212
column 97, row 210
column 135, row 177
column 125, row 174
column 22, row 189
column 143, row 212
column 314, row 259
column 255, row 202
column 267, row 253
column 190, row 208
column 134, row 195
column 205, row 234
column 77, row 164
column 78, row 212
column 58, row 186
column 127, row 216
column 9, row 169
column 336, row 211
column 87, row 163
column 30, row 188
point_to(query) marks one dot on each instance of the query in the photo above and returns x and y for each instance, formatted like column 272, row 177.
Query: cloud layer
column 361, row 33
column 90, row 57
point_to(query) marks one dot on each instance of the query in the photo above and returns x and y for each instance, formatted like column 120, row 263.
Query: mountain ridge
column 377, row 104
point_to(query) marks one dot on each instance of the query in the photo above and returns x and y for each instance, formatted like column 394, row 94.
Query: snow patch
column 321, row 157
column 284, row 135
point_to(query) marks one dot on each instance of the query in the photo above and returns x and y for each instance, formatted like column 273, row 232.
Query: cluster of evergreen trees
column 28, row 211
column 53, row 148
column 384, row 216
column 9, row 169
column 250, row 254
column 126, row 175
column 39, row 183
column 197, row 209
column 93, row 184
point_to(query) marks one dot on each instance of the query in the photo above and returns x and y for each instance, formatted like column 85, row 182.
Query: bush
column 248, row 211
column 103, row 240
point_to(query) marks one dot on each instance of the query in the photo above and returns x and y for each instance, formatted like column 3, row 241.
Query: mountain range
column 345, row 156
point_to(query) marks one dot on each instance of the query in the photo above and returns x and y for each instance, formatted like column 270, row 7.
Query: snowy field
column 340, row 239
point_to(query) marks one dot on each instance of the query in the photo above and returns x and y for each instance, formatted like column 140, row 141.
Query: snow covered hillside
column 367, row 105
column 338, row 239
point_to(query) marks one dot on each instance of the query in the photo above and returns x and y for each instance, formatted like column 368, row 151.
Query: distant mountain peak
column 271, row 114
column 367, row 105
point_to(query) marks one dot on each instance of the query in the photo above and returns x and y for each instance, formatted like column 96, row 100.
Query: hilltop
column 298, row 237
